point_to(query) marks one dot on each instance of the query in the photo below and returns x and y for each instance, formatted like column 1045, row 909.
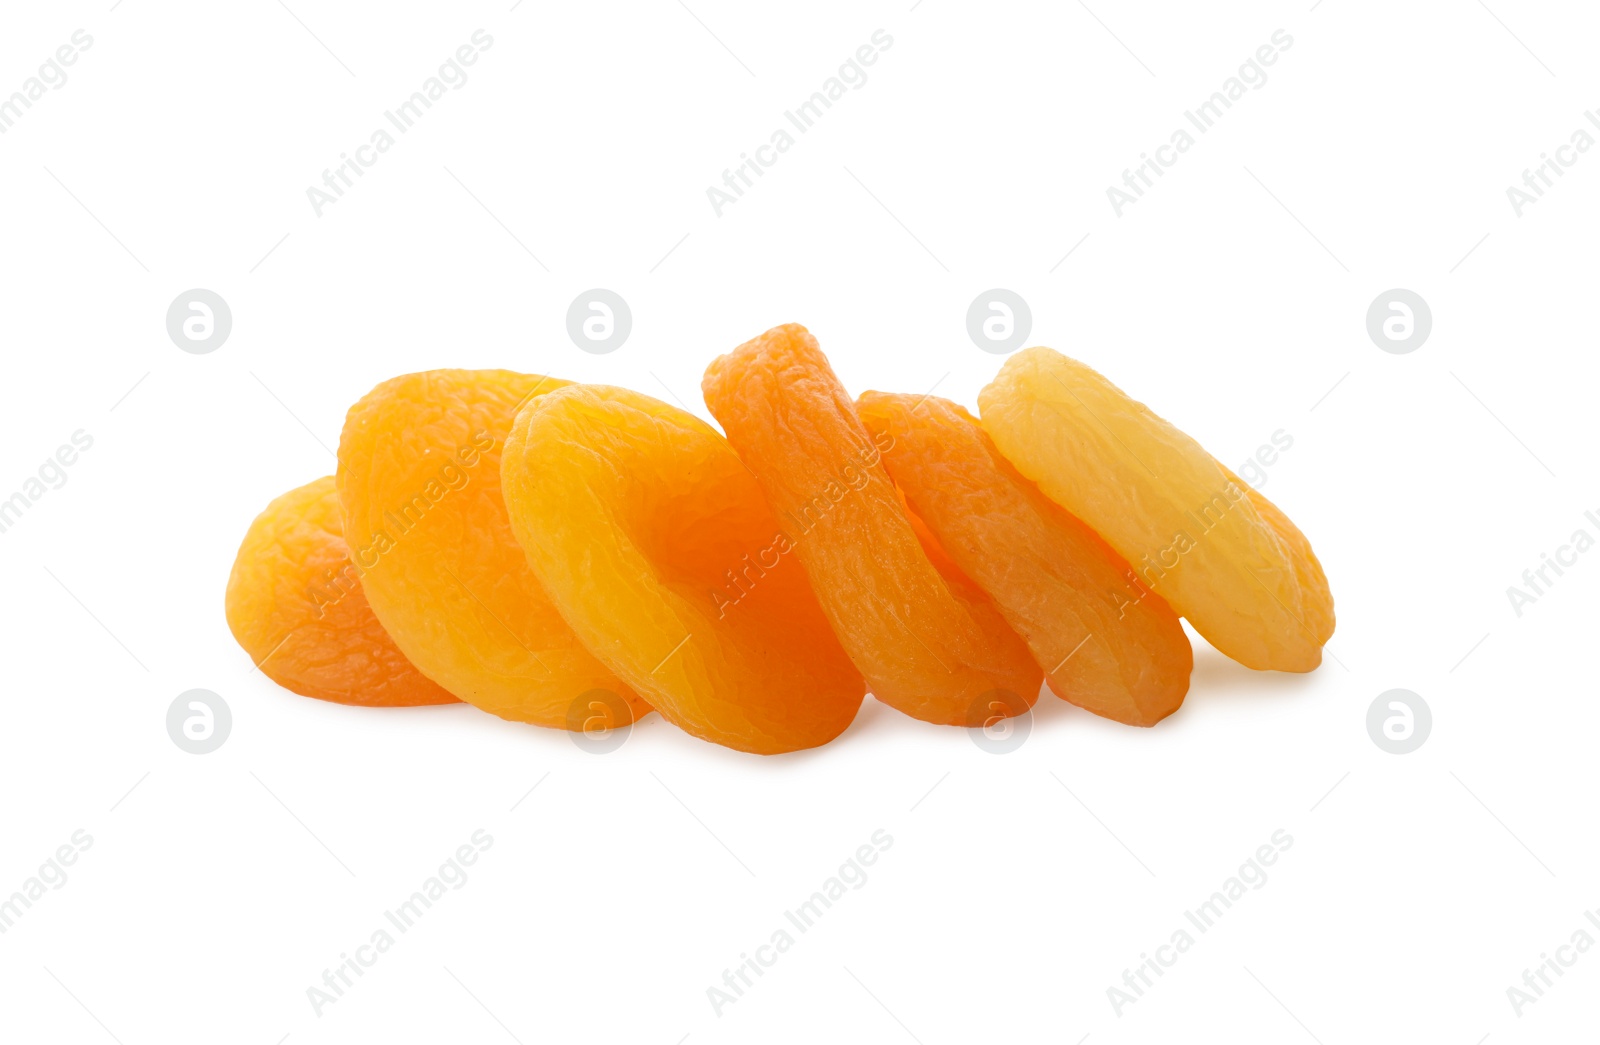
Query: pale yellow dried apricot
column 1222, row 556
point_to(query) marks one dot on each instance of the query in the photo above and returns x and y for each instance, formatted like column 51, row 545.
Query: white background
column 1018, row 888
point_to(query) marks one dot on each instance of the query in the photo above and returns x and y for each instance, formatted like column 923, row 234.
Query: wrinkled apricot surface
column 1318, row 619
column 1224, row 558
column 912, row 633
column 659, row 550
column 1105, row 642
column 296, row 606
column 419, row 483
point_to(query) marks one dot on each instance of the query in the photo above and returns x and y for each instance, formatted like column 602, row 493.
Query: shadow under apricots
column 1217, row 678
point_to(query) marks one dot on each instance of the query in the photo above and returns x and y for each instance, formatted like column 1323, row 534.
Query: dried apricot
column 1105, row 641
column 1318, row 618
column 419, row 482
column 1223, row 557
column 921, row 647
column 662, row 555
column 295, row 604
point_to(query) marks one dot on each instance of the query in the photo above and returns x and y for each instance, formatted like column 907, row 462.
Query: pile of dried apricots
column 577, row 555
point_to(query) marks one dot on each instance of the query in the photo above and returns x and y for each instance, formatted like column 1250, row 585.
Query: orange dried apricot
column 1106, row 643
column 921, row 647
column 295, row 604
column 1227, row 560
column 994, row 705
column 419, row 482
column 660, row 552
